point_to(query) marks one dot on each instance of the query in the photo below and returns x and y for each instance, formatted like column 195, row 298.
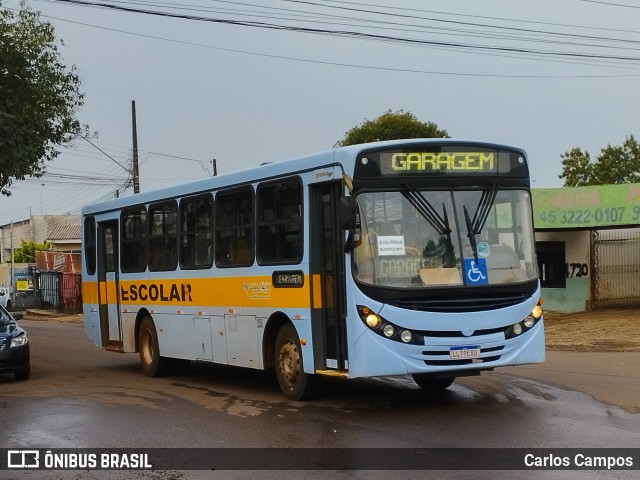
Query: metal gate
column 70, row 293
column 616, row 262
column 59, row 290
column 48, row 286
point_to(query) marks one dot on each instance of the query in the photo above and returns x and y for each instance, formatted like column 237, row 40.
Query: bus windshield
column 424, row 238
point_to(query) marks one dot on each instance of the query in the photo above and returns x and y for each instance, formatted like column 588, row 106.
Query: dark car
column 14, row 346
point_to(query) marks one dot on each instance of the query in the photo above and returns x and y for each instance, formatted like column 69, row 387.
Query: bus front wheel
column 294, row 382
column 429, row 383
column 153, row 365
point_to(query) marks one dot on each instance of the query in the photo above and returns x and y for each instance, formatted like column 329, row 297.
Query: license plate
column 464, row 352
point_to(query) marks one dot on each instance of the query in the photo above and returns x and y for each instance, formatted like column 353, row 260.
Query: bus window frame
column 235, row 226
column 280, row 221
column 173, row 252
column 182, row 232
column 143, row 239
column 90, row 245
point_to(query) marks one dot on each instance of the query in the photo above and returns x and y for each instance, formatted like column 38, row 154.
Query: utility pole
column 214, row 163
column 13, row 275
column 136, row 172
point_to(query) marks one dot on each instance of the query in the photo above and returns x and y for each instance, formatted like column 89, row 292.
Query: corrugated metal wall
column 617, row 267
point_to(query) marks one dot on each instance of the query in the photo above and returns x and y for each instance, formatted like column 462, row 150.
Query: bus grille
column 469, row 304
column 459, row 334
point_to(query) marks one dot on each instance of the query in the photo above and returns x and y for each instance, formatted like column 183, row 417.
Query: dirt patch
column 607, row 330
column 52, row 316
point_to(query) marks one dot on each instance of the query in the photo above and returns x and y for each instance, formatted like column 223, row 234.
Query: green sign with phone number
column 584, row 207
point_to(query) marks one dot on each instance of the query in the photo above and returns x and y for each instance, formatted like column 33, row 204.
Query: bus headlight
column 388, row 330
column 526, row 324
column 373, row 320
column 536, row 312
column 406, row 336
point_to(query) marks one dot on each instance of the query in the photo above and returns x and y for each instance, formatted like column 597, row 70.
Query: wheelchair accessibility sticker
column 476, row 271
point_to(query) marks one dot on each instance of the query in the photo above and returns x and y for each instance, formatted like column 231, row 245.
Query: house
column 588, row 246
column 62, row 231
column 65, row 238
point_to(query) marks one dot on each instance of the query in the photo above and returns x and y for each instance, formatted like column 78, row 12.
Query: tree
column 26, row 253
column 39, row 97
column 618, row 164
column 577, row 168
column 391, row 126
column 614, row 165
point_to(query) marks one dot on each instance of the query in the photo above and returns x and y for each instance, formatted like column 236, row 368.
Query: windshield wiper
column 426, row 210
column 475, row 226
column 431, row 215
column 471, row 233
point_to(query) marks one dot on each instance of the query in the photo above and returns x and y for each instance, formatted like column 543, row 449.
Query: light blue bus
column 406, row 257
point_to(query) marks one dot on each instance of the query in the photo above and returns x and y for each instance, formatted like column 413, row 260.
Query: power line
column 474, row 24
column 106, row 154
column 610, row 4
column 387, row 14
column 342, row 64
column 355, row 34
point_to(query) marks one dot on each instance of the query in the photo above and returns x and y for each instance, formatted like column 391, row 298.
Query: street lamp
column 41, row 189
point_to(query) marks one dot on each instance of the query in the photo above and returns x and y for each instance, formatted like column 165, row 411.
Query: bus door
column 328, row 312
column 109, row 308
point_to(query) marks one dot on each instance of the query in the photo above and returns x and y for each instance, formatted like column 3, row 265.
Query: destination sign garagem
column 451, row 160
column 448, row 161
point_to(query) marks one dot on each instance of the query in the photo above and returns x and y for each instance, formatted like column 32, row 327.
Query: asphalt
column 610, row 377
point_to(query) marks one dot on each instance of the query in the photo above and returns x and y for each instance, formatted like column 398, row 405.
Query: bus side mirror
column 345, row 212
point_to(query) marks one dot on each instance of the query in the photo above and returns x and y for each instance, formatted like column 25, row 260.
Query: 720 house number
column 577, row 270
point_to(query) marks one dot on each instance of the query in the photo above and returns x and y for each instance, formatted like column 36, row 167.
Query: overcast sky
column 546, row 75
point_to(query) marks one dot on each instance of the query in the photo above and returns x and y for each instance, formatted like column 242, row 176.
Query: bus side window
column 196, row 232
column 234, row 228
column 163, row 236
column 279, row 207
column 133, row 238
column 90, row 245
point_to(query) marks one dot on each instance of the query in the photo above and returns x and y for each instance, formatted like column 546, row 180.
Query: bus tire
column 432, row 384
column 294, row 382
column 153, row 365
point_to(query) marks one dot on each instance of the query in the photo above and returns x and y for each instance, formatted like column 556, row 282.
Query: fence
column 616, row 267
column 53, row 290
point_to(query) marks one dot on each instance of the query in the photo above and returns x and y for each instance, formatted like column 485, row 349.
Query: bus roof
column 343, row 156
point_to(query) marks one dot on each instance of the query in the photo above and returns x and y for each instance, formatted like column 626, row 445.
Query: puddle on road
column 223, row 402
column 119, row 396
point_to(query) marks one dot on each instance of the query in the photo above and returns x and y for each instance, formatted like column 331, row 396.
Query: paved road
column 81, row 396
column 609, row 377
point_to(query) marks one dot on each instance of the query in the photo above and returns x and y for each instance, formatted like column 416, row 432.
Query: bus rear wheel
column 153, row 365
column 432, row 384
column 294, row 382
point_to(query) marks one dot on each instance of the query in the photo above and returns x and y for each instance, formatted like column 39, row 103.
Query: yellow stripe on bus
column 317, row 291
column 90, row 292
column 206, row 292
